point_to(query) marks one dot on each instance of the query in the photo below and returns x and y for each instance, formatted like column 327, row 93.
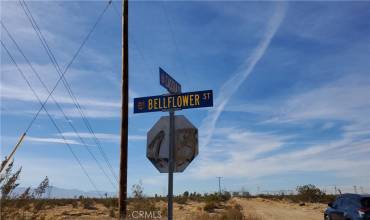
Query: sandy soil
column 280, row 210
column 253, row 209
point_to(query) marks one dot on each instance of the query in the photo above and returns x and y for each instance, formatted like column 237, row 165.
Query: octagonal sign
column 158, row 143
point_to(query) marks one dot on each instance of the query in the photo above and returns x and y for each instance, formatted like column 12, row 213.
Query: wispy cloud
column 342, row 100
column 263, row 154
column 14, row 93
column 52, row 140
column 92, row 107
column 254, row 155
column 236, row 80
column 104, row 136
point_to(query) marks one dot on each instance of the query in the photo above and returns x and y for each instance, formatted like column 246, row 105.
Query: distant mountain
column 55, row 192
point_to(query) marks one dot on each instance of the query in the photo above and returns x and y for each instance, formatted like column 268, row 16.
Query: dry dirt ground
column 280, row 210
column 253, row 209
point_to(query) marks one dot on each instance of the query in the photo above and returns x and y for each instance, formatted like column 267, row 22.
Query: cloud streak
column 253, row 155
column 53, row 140
column 104, row 136
column 232, row 85
column 336, row 105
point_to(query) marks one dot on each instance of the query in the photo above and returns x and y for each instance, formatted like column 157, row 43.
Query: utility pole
column 122, row 197
column 219, row 184
column 9, row 158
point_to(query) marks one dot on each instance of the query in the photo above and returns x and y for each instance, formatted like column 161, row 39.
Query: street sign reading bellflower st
column 199, row 99
column 168, row 82
column 172, row 143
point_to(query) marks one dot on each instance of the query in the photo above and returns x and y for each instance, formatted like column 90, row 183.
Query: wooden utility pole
column 122, row 200
column 9, row 158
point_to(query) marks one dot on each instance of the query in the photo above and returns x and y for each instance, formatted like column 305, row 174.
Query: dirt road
column 279, row 210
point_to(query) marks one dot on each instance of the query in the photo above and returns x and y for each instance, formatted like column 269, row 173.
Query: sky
column 291, row 84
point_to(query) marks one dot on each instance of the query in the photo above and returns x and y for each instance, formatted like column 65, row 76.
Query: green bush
column 309, row 193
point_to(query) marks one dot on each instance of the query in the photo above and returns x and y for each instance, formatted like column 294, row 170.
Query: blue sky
column 291, row 83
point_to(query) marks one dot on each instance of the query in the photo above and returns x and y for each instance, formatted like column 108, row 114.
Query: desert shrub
column 195, row 196
column 108, row 202
column 201, row 216
column 88, row 203
column 309, row 193
column 229, row 214
column 306, row 193
column 252, row 216
column 23, row 199
column 27, row 207
column 9, row 180
column 41, row 189
column 215, row 197
column 139, row 202
column 51, row 205
column 138, row 191
column 112, row 213
column 233, row 214
column 164, row 211
column 74, row 204
column 181, row 200
column 38, row 205
column 238, row 207
column 143, row 205
column 210, row 206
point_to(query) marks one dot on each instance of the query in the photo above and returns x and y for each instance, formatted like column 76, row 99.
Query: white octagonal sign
column 158, row 143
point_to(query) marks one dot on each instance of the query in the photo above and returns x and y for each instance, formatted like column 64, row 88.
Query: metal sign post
column 171, row 164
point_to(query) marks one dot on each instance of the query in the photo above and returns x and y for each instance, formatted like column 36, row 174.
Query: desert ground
column 280, row 210
column 234, row 209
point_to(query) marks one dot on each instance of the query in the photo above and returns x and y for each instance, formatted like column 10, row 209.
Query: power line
column 57, row 104
column 173, row 37
column 64, row 80
column 134, row 42
column 51, row 119
column 67, row 68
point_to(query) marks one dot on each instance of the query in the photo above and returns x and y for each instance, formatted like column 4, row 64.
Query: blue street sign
column 199, row 99
column 168, row 82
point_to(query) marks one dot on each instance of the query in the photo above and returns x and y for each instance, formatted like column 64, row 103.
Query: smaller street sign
column 199, row 99
column 168, row 82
